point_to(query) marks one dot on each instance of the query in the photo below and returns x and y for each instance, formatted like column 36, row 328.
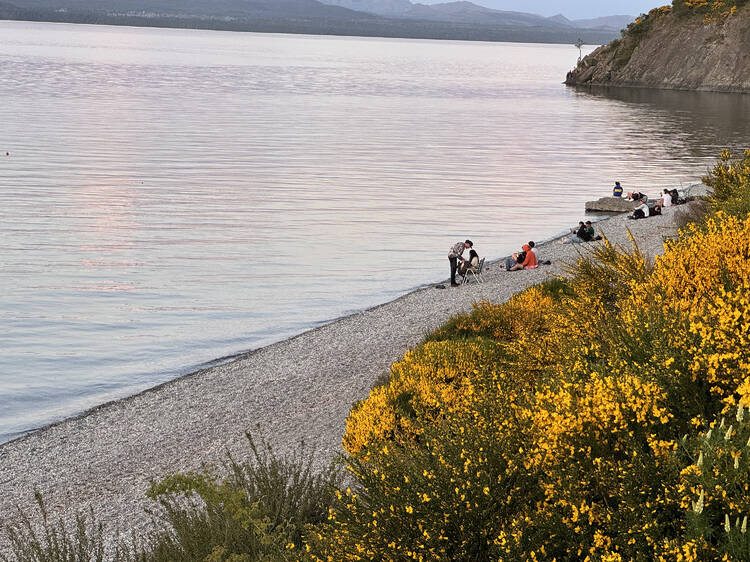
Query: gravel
column 298, row 389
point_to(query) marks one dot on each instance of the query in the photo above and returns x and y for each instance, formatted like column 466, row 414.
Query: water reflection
column 704, row 121
column 175, row 196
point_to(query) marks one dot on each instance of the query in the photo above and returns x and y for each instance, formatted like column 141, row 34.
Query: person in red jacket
column 528, row 262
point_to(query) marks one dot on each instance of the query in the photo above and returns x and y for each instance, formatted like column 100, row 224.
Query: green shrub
column 44, row 540
column 714, row 487
column 256, row 513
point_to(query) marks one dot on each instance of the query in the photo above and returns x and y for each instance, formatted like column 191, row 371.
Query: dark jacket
column 585, row 234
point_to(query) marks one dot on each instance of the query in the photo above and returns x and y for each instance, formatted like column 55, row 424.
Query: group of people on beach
column 668, row 198
column 528, row 258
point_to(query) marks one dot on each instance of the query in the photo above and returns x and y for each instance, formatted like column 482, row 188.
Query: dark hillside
column 285, row 16
column 687, row 46
column 280, row 16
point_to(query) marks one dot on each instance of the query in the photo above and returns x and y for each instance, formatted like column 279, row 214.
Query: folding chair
column 476, row 273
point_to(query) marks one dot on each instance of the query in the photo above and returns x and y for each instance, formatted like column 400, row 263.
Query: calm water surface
column 175, row 196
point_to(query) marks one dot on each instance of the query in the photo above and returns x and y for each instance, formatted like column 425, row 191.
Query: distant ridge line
column 285, row 16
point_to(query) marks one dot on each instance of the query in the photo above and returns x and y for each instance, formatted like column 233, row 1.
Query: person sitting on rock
column 617, row 190
column 637, row 196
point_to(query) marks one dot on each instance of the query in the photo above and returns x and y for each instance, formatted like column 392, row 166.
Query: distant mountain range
column 383, row 18
column 468, row 12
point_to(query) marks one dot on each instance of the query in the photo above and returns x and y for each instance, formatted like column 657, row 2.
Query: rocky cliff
column 677, row 47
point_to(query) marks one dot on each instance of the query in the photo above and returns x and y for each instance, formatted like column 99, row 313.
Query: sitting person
column 666, row 199
column 579, row 235
column 528, row 261
column 473, row 261
column 532, row 245
column 590, row 234
column 641, row 211
column 637, row 196
column 617, row 190
column 675, row 196
column 514, row 259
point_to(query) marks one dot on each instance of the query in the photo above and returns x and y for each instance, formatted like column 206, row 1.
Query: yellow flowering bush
column 525, row 312
column 547, row 427
column 703, row 281
column 712, row 10
column 728, row 181
column 430, row 380
column 446, row 499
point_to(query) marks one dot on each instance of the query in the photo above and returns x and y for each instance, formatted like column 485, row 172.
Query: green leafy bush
column 256, row 513
column 44, row 540
column 714, row 487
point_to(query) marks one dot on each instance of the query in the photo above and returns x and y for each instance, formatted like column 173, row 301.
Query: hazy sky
column 573, row 9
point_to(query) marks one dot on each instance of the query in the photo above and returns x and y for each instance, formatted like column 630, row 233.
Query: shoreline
column 298, row 389
column 381, row 27
column 219, row 361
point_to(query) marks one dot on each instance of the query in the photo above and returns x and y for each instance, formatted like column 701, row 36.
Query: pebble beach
column 297, row 390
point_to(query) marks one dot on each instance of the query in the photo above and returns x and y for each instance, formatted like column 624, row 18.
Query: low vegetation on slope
column 692, row 44
column 603, row 416
column 600, row 416
column 709, row 8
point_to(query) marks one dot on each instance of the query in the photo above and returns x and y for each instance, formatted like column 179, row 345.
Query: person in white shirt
column 641, row 211
column 666, row 199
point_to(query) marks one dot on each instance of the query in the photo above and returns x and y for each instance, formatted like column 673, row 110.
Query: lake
column 170, row 197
